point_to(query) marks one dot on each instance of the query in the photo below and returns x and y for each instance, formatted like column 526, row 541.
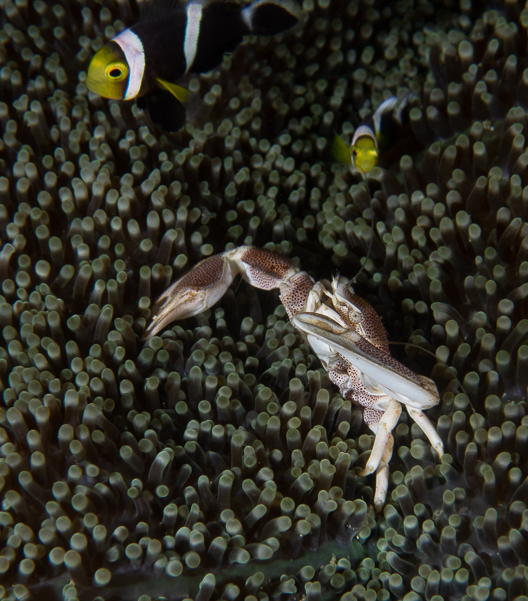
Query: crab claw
column 208, row 281
column 195, row 292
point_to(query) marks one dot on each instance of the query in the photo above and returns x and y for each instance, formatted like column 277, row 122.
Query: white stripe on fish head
column 192, row 32
column 132, row 48
column 247, row 15
column 364, row 130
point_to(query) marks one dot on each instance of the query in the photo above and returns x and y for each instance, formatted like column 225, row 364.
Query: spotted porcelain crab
column 344, row 331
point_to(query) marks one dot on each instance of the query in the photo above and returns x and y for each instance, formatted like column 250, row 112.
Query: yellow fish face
column 364, row 153
column 108, row 73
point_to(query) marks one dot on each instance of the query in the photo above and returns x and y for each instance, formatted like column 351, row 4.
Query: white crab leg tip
column 382, row 486
column 382, row 477
column 384, row 440
column 428, row 429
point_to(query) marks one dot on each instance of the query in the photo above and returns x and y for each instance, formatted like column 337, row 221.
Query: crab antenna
column 421, row 348
column 354, row 279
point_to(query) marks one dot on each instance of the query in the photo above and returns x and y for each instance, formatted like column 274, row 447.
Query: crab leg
column 375, row 380
column 428, row 429
column 208, row 281
column 382, row 429
column 382, row 476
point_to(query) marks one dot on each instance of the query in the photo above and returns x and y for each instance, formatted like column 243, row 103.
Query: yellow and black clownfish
column 374, row 136
column 175, row 37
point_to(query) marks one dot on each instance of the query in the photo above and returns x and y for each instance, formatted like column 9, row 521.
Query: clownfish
column 176, row 37
column 374, row 135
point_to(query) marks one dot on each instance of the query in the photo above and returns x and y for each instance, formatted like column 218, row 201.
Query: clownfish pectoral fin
column 181, row 94
column 189, row 100
column 341, row 151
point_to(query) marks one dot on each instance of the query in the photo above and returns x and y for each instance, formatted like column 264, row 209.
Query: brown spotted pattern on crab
column 344, row 331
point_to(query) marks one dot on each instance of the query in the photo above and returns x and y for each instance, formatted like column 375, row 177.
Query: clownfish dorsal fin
column 153, row 9
column 270, row 17
column 341, row 151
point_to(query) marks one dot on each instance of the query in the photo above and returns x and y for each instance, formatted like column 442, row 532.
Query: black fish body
column 175, row 37
column 221, row 30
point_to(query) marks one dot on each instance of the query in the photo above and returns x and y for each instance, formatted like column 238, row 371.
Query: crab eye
column 116, row 71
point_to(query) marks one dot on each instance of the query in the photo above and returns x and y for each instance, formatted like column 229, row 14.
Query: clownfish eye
column 116, row 71
column 355, row 152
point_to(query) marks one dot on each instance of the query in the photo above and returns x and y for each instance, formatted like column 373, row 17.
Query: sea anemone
column 217, row 461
